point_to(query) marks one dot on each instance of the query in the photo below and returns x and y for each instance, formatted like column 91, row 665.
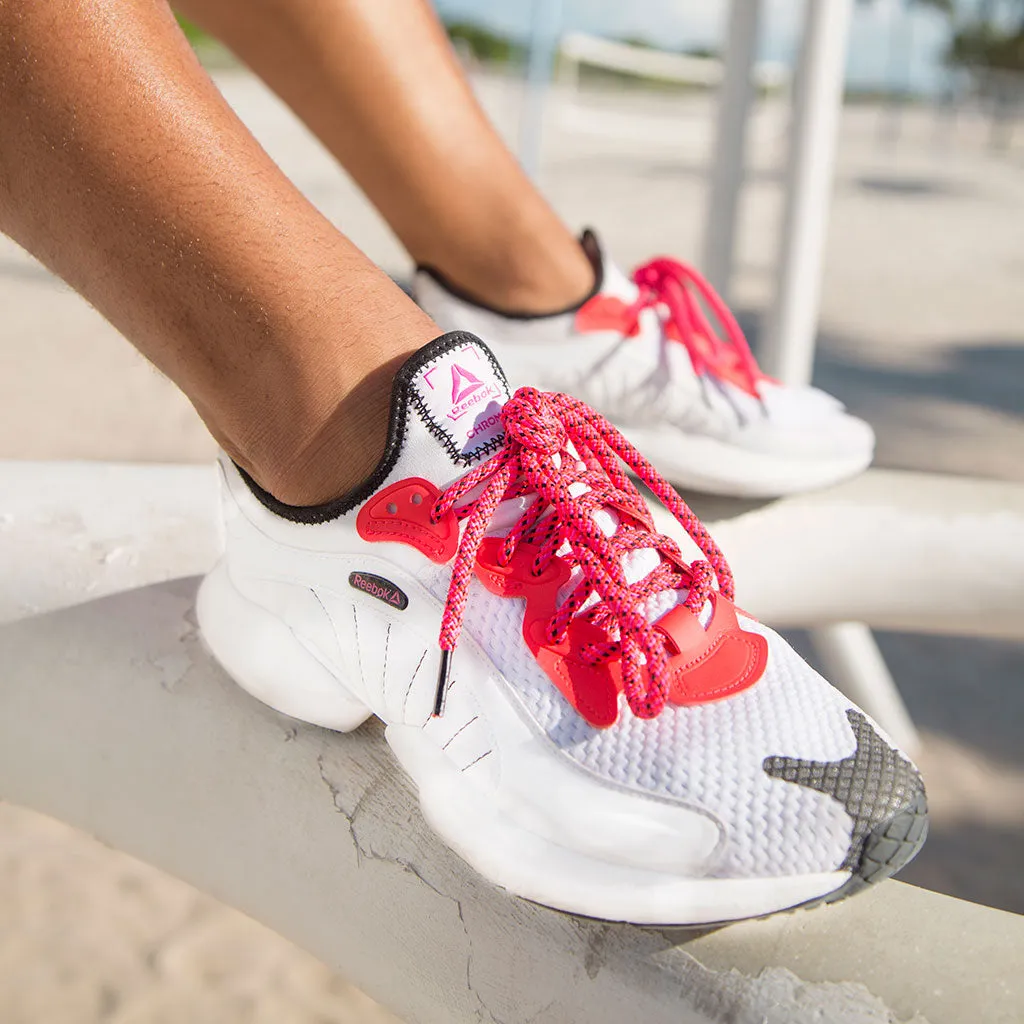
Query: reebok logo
column 380, row 588
column 463, row 384
column 468, row 392
column 462, row 393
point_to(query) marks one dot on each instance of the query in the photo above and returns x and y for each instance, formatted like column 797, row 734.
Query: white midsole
column 267, row 659
column 539, row 870
column 710, row 464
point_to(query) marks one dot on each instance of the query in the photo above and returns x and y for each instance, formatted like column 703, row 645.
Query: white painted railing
column 113, row 718
column 908, row 551
column 582, row 48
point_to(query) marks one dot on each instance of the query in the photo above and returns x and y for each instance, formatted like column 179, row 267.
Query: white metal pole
column 854, row 663
column 818, row 95
column 728, row 165
column 544, row 32
column 848, row 650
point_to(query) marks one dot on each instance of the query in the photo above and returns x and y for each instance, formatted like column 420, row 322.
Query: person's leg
column 378, row 82
column 124, row 171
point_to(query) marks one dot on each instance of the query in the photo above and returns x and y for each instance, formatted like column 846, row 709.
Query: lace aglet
column 443, row 672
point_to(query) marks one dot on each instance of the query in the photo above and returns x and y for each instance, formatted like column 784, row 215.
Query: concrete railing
column 113, row 718
column 905, row 551
column 582, row 48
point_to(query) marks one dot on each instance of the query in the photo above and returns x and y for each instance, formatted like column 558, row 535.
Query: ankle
column 530, row 272
column 547, row 296
column 342, row 452
column 539, row 288
column 306, row 451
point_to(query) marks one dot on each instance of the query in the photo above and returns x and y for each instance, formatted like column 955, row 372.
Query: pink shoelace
column 552, row 442
column 678, row 287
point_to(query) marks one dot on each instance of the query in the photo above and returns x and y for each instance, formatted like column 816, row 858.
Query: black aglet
column 442, row 683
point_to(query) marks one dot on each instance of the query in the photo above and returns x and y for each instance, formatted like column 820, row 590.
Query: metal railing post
column 847, row 649
column 545, row 27
column 728, row 165
column 817, row 104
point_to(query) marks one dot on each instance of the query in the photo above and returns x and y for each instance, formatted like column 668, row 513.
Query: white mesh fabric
column 709, row 756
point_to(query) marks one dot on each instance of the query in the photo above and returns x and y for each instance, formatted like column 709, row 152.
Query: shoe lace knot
column 680, row 293
column 565, row 464
column 531, row 420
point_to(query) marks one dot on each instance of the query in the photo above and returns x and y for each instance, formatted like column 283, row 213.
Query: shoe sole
column 709, row 465
column 272, row 664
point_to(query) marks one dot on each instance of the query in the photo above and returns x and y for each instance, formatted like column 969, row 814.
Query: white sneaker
column 617, row 739
column 645, row 355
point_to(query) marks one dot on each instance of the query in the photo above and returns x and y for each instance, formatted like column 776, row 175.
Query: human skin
column 125, row 172
column 378, row 82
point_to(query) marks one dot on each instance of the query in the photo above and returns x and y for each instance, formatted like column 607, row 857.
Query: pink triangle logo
column 463, row 384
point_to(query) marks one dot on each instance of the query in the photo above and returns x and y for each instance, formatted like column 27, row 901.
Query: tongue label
column 460, row 398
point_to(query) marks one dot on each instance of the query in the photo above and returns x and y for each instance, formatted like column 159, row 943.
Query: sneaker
column 589, row 720
column 645, row 354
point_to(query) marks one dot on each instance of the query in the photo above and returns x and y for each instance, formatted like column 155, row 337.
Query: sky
column 890, row 45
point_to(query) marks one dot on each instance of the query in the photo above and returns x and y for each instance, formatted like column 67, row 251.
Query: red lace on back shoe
column 568, row 456
column 679, row 289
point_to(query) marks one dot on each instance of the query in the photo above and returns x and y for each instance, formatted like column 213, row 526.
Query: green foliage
column 211, row 53
column 709, row 52
column 981, row 43
column 484, row 44
column 691, row 51
column 981, row 46
column 193, row 33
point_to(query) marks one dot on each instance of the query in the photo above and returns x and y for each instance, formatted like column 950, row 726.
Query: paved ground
column 921, row 328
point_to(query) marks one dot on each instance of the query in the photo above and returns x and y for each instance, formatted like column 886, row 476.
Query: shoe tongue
column 456, row 389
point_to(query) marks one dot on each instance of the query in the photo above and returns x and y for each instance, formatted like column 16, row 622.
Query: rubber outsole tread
column 888, row 847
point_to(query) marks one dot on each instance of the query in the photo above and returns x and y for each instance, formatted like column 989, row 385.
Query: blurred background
column 921, row 332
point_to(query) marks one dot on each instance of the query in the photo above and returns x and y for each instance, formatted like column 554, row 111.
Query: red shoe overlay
column 607, row 313
column 709, row 663
column 591, row 689
column 703, row 664
column 402, row 513
column 596, row 642
column 680, row 294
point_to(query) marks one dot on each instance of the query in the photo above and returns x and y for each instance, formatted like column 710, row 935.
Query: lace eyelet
column 534, row 461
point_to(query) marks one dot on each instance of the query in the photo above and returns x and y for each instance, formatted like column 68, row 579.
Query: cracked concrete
column 365, row 852
column 320, row 836
column 773, row 996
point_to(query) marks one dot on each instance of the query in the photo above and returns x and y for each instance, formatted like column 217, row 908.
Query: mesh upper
column 709, row 756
